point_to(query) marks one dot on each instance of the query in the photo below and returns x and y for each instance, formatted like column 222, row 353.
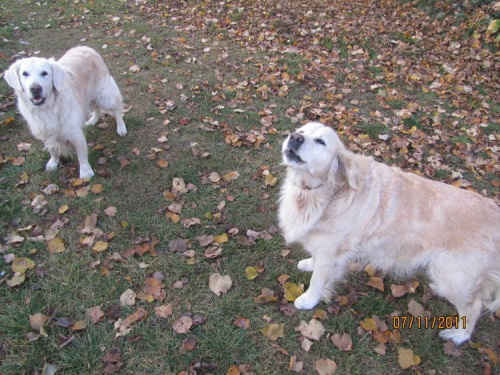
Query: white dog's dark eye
column 44, row 74
column 26, row 74
column 320, row 141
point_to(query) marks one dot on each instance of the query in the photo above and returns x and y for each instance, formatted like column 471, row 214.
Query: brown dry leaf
column 451, row 349
column 183, row 324
column 380, row 349
column 97, row 189
column 95, row 314
column 162, row 163
column 111, row 211
column 376, row 282
column 214, row 177
column 219, row 284
column 274, row 331
column 127, row 298
column 231, row 176
column 295, row 366
column 139, row 314
column 325, row 366
column 21, row 264
column 63, row 209
column 79, row 325
column 233, row 370
column 320, row 314
column 190, row 222
column 38, row 320
column 342, row 342
column 407, row 359
column 312, row 330
column 242, row 322
column 55, row 245
column 153, row 286
column 415, row 308
column 112, row 360
column 267, row 295
column 188, row 344
column 164, row 311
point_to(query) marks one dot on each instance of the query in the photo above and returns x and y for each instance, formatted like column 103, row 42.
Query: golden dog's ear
column 11, row 75
column 343, row 169
column 58, row 75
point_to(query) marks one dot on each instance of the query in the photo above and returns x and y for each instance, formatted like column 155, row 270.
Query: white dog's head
column 315, row 155
column 35, row 79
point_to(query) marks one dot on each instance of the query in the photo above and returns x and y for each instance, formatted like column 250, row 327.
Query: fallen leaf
column 242, row 322
column 294, row 365
column 111, row 211
column 139, row 314
column 21, row 264
column 251, row 273
column 368, row 324
column 376, row 282
column 407, row 359
column 267, row 295
column 273, row 331
column 342, row 342
column 164, row 311
column 415, row 308
column 183, row 324
column 128, row 298
column 55, row 245
column 325, row 366
column 219, row 284
column 221, row 238
column 188, row 344
column 17, row 279
column 95, row 314
column 38, row 320
column 292, row 291
column 451, row 349
column 312, row 330
column 79, row 325
column 63, row 209
column 97, row 188
column 100, row 246
column 113, row 361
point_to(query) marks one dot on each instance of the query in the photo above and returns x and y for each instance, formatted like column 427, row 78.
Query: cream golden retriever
column 341, row 207
column 57, row 97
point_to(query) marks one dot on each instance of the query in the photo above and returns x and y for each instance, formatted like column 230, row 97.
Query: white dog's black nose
column 295, row 141
column 36, row 90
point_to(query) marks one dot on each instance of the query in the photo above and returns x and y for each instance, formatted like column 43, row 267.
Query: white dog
column 57, row 97
column 341, row 206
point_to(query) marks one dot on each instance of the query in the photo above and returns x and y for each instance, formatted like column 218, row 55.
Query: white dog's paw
column 458, row 335
column 93, row 120
column 306, row 301
column 86, row 172
column 122, row 131
column 306, row 265
column 52, row 164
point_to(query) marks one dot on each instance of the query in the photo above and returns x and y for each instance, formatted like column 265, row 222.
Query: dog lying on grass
column 341, row 207
column 57, row 97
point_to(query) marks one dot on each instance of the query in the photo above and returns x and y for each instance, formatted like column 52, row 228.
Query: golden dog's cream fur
column 57, row 98
column 341, row 207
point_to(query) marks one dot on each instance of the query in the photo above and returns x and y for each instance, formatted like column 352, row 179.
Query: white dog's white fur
column 57, row 97
column 341, row 207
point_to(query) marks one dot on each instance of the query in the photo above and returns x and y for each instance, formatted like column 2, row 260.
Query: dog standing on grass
column 341, row 207
column 57, row 98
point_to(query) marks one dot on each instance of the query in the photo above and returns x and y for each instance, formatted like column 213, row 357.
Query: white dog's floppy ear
column 11, row 75
column 343, row 169
column 58, row 75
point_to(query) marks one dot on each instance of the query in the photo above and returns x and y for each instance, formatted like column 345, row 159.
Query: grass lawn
column 117, row 271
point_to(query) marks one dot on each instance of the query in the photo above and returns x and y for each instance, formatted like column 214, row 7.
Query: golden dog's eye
column 320, row 141
column 44, row 74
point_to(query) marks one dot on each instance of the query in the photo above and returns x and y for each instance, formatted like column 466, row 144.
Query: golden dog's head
column 35, row 79
column 315, row 155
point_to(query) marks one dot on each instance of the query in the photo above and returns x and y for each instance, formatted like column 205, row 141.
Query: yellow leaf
column 100, row 246
column 231, row 176
column 22, row 264
column 97, row 188
column 406, row 358
column 77, row 182
column 292, row 291
column 79, row 325
column 162, row 163
column 221, row 238
column 17, row 279
column 209, row 215
column 251, row 273
column 274, row 331
column 376, row 282
column 270, row 180
column 369, row 324
column 63, row 209
column 370, row 270
column 38, row 320
column 174, row 218
column 56, row 245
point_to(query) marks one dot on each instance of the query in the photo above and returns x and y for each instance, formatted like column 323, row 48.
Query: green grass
column 68, row 284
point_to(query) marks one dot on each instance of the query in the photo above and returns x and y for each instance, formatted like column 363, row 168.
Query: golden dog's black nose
column 36, row 89
column 296, row 140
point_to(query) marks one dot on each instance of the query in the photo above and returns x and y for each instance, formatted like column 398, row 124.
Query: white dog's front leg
column 80, row 144
column 53, row 163
column 306, row 265
column 322, row 273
